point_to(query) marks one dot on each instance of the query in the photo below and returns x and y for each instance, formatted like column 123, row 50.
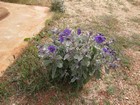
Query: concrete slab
column 23, row 21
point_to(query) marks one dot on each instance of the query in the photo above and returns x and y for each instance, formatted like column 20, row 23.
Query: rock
column 126, row 98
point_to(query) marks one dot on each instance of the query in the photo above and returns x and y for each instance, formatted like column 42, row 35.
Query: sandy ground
column 22, row 22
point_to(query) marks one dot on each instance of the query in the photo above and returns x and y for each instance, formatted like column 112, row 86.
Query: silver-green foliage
column 73, row 57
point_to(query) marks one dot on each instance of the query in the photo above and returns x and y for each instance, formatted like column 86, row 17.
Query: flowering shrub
column 74, row 56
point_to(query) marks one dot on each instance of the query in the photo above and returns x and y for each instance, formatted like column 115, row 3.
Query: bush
column 75, row 56
column 57, row 6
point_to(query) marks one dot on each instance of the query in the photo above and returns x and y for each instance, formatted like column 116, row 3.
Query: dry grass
column 135, row 20
column 134, row 2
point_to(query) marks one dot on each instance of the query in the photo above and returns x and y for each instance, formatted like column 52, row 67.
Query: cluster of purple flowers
column 64, row 34
column 98, row 38
column 107, row 50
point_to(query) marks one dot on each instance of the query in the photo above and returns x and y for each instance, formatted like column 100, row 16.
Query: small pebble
column 126, row 98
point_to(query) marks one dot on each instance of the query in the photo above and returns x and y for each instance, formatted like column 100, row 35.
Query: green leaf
column 78, row 57
column 107, row 70
column 47, row 62
column 72, row 67
column 73, row 79
column 53, row 71
column 27, row 39
column 92, row 70
column 94, row 51
column 86, row 62
column 59, row 64
column 67, row 43
column 88, row 56
column 58, row 57
column 66, row 56
column 84, row 75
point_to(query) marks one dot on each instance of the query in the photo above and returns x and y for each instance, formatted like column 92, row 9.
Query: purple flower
column 109, row 51
column 52, row 48
column 106, row 49
column 61, row 38
column 67, row 32
column 79, row 31
column 99, row 38
column 62, row 34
